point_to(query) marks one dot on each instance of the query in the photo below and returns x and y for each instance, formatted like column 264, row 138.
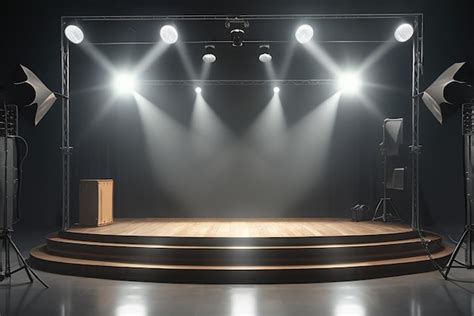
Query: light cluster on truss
column 348, row 82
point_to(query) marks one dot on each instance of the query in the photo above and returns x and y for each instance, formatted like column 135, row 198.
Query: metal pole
column 65, row 146
column 6, row 228
column 415, row 135
column 468, row 216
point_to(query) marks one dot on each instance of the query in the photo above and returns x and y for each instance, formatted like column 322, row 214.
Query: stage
column 195, row 250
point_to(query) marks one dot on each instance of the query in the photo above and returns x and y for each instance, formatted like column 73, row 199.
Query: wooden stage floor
column 244, row 227
column 265, row 250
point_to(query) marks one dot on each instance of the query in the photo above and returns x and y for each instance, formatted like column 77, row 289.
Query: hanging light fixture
column 74, row 34
column 209, row 57
column 304, row 33
column 236, row 36
column 403, row 32
column 264, row 55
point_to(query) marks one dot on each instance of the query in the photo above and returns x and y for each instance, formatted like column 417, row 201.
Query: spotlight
column 74, row 34
column 276, row 90
column 304, row 33
column 124, row 83
column 236, row 36
column 403, row 32
column 264, row 56
column 209, row 56
column 198, row 90
column 350, row 82
column 169, row 34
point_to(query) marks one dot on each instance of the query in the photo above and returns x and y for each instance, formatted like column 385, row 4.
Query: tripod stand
column 468, row 131
column 7, row 243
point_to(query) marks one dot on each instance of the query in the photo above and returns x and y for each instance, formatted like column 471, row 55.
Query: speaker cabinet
column 96, row 202
column 12, row 182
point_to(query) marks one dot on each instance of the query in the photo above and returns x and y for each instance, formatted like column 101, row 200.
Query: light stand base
column 5, row 270
column 386, row 211
column 468, row 230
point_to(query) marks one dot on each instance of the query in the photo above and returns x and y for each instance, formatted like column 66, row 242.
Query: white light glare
column 124, row 83
column 209, row 58
column 304, row 33
column 403, row 32
column 74, row 34
column 265, row 58
column 276, row 90
column 349, row 82
column 198, row 90
column 169, row 34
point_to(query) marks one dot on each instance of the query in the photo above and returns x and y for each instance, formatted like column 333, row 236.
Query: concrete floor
column 414, row 295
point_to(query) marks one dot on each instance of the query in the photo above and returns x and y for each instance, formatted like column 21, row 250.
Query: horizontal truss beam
column 241, row 17
column 244, row 42
column 306, row 82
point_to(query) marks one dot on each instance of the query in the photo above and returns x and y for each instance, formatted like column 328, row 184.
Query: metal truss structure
column 417, row 61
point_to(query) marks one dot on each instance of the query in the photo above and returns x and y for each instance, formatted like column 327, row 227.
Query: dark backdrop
column 32, row 38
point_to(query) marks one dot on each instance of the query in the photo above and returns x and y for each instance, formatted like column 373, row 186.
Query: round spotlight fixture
column 304, row 33
column 74, row 34
column 169, row 34
column 237, row 36
column 124, row 83
column 198, row 90
column 264, row 56
column 403, row 32
column 276, row 89
column 350, row 83
column 209, row 57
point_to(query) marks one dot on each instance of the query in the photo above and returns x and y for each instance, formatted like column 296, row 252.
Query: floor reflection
column 243, row 302
column 349, row 306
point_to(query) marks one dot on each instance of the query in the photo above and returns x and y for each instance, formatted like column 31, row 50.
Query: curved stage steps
column 250, row 259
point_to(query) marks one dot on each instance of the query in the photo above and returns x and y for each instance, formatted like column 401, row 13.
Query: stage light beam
column 304, row 33
column 124, row 83
column 169, row 34
column 350, row 83
column 74, row 34
column 403, row 32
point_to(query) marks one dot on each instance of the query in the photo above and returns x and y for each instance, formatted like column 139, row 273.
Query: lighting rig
column 348, row 82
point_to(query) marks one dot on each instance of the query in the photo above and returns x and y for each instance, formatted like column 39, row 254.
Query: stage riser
column 236, row 277
column 259, row 256
column 238, row 241
column 239, row 251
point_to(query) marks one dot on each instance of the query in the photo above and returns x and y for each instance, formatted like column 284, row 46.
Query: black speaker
column 12, row 181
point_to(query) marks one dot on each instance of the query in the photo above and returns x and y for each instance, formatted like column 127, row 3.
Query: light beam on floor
column 243, row 301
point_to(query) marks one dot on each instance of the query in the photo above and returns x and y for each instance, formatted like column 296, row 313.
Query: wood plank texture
column 253, row 228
